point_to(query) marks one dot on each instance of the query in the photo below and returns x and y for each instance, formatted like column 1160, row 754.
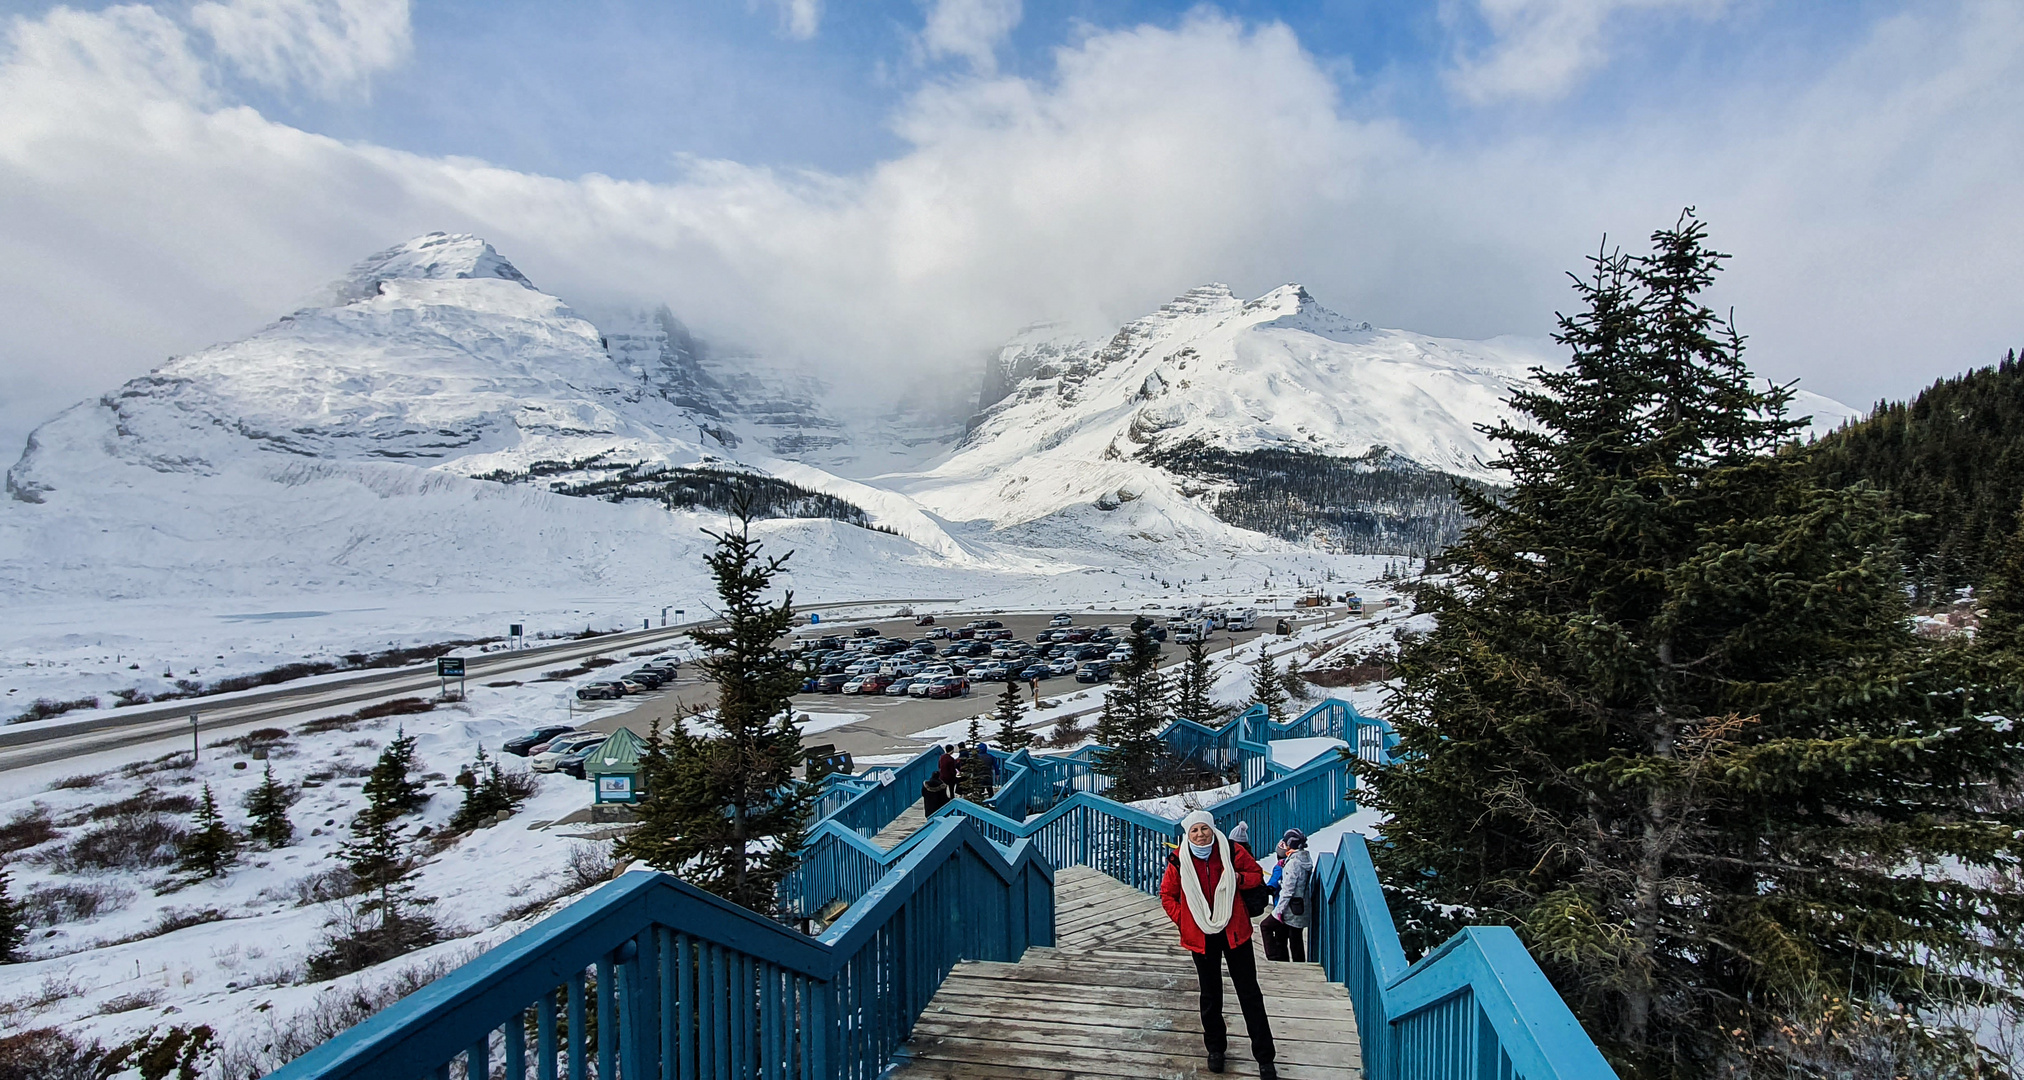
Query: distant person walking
column 940, row 787
column 1285, row 927
column 1199, row 893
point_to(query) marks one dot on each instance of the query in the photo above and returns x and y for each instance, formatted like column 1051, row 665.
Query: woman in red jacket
column 1200, row 895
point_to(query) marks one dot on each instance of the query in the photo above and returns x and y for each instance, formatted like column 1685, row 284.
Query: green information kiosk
column 615, row 768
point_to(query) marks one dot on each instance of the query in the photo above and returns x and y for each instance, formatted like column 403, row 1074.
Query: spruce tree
column 1265, row 687
column 13, row 922
column 722, row 807
column 1191, row 698
column 486, row 797
column 1671, row 723
column 392, row 786
column 1011, row 738
column 973, row 780
column 268, row 804
column 1134, row 712
column 210, row 847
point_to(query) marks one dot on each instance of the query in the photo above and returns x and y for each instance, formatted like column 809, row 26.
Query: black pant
column 1282, row 940
column 1244, row 976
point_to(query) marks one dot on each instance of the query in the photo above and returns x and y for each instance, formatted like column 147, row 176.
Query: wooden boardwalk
column 1116, row 997
column 908, row 823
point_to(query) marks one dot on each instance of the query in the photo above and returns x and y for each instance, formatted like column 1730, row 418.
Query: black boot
column 1215, row 1061
column 1267, row 1071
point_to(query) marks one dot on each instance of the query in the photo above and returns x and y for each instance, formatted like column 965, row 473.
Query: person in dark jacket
column 948, row 769
column 1199, row 893
column 1285, row 926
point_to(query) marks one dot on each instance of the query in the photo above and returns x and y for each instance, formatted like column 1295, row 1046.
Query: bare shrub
column 560, row 674
column 48, row 1054
column 286, row 1038
column 590, row 863
column 135, row 842
column 134, row 770
column 520, row 784
column 260, row 739
column 78, row 782
column 44, row 708
column 52, row 905
column 26, row 829
column 335, row 883
column 354, row 939
column 148, row 801
column 139, row 999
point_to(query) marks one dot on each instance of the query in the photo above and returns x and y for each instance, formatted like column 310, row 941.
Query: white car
column 550, row 759
column 1120, row 654
column 1061, row 620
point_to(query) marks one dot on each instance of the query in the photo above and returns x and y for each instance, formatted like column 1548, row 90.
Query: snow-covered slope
column 1277, row 372
column 336, row 448
column 1083, row 434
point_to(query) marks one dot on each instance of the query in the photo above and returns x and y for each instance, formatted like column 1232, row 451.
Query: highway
column 24, row 745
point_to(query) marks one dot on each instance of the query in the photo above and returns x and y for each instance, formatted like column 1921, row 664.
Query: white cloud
column 971, row 29
column 1541, row 48
column 327, row 47
column 799, row 19
column 1875, row 216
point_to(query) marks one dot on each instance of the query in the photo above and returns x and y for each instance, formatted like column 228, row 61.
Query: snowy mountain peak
column 437, row 256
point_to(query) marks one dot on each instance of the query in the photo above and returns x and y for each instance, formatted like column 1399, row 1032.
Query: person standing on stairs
column 1285, row 928
column 1199, row 893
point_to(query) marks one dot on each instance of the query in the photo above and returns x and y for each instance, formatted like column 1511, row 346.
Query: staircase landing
column 1116, row 997
column 908, row 823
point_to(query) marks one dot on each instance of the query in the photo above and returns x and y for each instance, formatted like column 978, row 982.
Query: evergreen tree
column 1191, row 698
column 1011, row 738
column 210, row 847
column 1265, row 687
column 973, row 780
column 392, row 787
column 1671, row 723
column 722, row 807
column 268, row 804
column 13, row 922
column 1134, row 712
column 486, row 796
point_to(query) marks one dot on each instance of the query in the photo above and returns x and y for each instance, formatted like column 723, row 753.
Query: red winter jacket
column 1208, row 872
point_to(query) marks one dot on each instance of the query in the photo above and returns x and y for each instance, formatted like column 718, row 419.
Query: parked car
column 549, row 759
column 1063, row 666
column 539, row 736
column 948, row 687
column 636, row 686
column 831, row 683
column 941, row 633
column 991, row 624
column 988, row 671
column 1061, row 620
column 865, row 631
column 868, row 684
column 1120, row 654
column 1035, row 671
column 573, row 764
column 600, row 691
column 899, row 687
column 1094, row 672
column 653, row 680
column 924, row 620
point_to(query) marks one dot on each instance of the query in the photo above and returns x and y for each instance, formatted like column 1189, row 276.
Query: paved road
column 891, row 724
column 23, row 745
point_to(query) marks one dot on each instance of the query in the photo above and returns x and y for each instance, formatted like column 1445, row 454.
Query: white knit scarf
column 1211, row 920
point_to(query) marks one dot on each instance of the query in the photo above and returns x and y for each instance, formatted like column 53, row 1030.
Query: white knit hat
column 1199, row 817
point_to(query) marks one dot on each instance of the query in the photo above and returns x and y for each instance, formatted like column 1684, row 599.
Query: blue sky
column 897, row 185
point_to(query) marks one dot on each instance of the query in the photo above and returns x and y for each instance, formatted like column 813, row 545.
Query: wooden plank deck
column 908, row 823
column 1116, row 997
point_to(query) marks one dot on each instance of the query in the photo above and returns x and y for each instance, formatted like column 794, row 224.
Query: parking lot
column 884, row 726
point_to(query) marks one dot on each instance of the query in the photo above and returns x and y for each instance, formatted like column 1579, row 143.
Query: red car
column 872, row 684
column 949, row 687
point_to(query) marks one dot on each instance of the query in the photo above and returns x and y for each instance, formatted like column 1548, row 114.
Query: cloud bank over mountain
column 145, row 210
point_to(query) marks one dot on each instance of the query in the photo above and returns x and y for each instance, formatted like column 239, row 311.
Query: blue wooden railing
column 1478, row 1007
column 880, row 802
column 675, row 982
column 1089, row 830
